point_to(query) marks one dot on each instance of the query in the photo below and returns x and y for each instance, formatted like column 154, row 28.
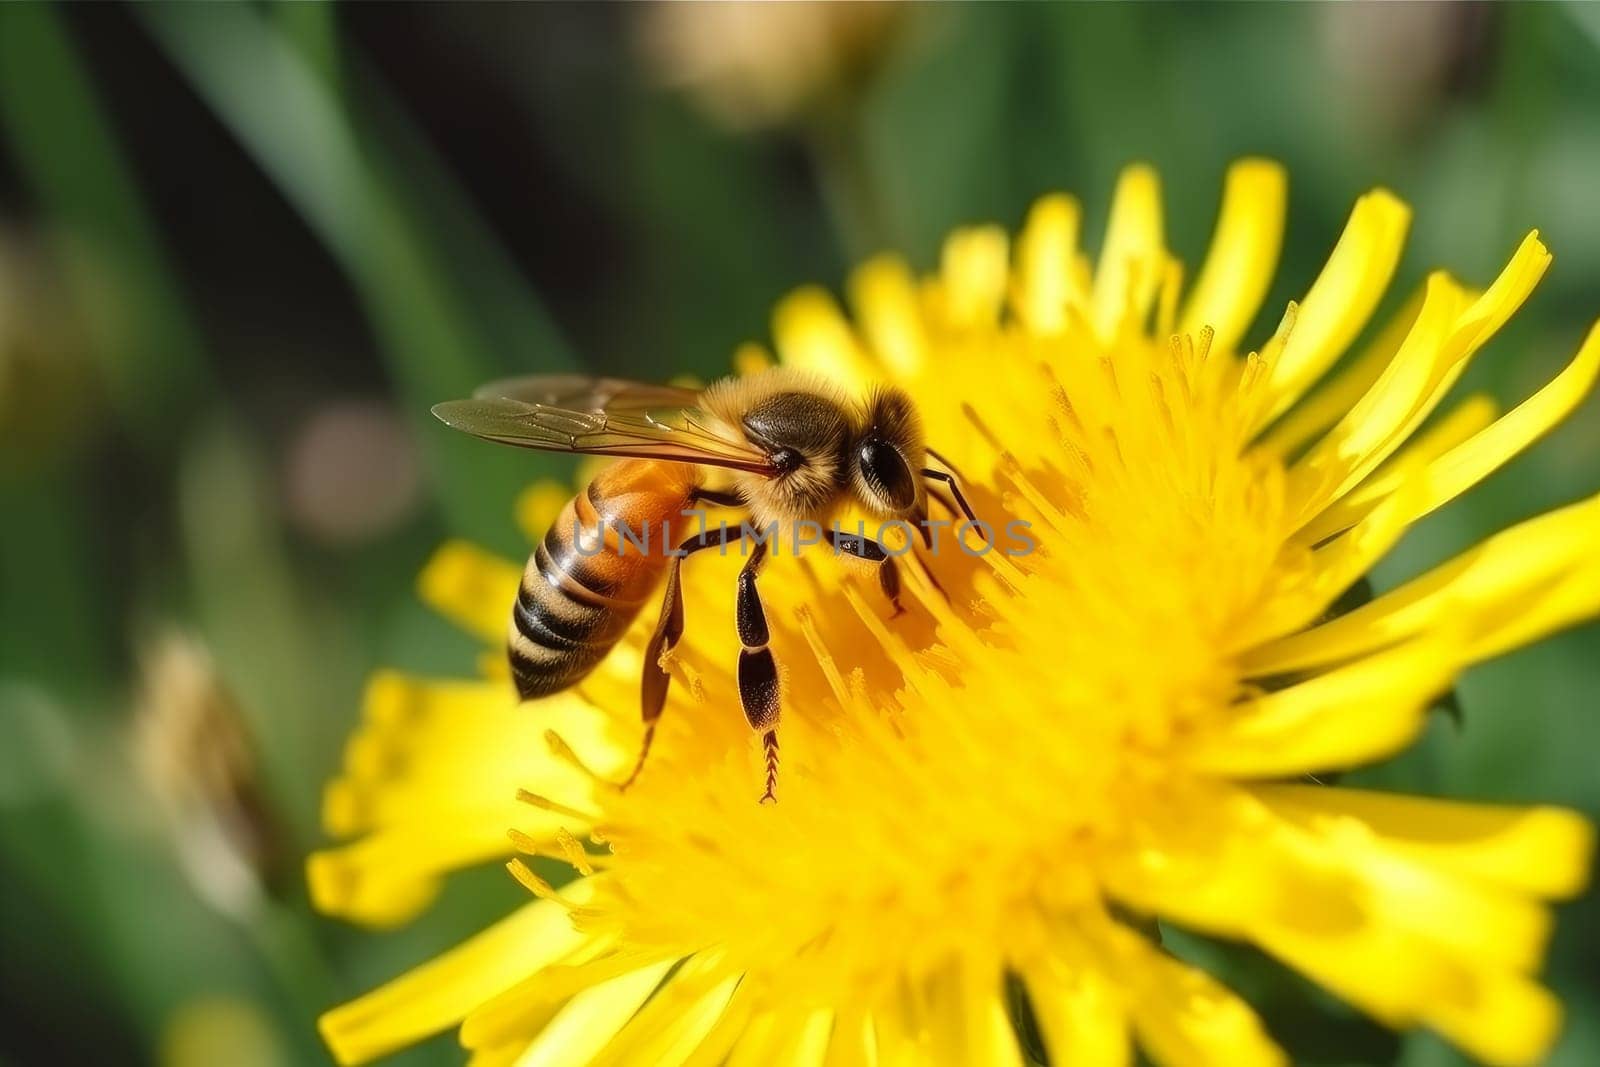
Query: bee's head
column 886, row 461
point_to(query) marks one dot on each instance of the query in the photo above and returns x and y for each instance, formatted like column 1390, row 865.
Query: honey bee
column 788, row 448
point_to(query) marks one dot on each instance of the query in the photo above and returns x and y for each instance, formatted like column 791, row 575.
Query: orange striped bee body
column 587, row 581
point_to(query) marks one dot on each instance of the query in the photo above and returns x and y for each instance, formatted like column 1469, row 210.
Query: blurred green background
column 243, row 248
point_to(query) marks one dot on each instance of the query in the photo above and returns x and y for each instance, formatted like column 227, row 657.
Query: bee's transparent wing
column 601, row 417
column 580, row 392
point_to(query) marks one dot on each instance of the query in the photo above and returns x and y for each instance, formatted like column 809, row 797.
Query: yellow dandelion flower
column 998, row 792
column 752, row 66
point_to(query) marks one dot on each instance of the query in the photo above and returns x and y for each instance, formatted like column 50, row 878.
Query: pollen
column 1113, row 716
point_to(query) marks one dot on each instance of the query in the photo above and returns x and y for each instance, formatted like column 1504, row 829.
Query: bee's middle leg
column 655, row 681
column 862, row 547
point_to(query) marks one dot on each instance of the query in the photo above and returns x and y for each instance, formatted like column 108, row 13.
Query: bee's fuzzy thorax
column 820, row 441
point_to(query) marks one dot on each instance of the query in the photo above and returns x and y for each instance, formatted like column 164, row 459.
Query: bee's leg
column 654, row 682
column 933, row 579
column 944, row 498
column 961, row 499
column 925, row 530
column 862, row 547
column 758, row 671
column 950, row 466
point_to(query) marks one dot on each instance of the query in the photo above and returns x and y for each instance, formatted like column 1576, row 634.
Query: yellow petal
column 589, row 1021
column 1571, row 599
column 1468, row 418
column 1423, row 371
column 1343, row 297
column 1185, row 1018
column 1330, row 467
column 1336, row 720
column 440, row 993
column 428, row 743
column 521, row 1010
column 966, row 1018
column 1168, row 290
column 1545, row 851
column 504, row 1056
column 1513, row 567
column 883, row 295
column 1500, row 301
column 674, row 1022
column 429, row 746
column 387, row 877
column 1333, row 399
column 1505, row 1019
column 1494, row 928
column 1334, row 568
column 1081, row 1015
column 973, row 273
column 1219, row 862
column 1308, row 892
column 751, row 359
column 1403, row 977
column 432, row 778
column 786, row 1036
column 899, row 1037
column 1485, row 452
column 1133, row 257
column 989, row 1038
column 853, row 1043
column 1047, row 251
column 1188, row 1019
column 738, row 1031
column 538, row 505
column 812, row 333
column 765, row 1039
column 1238, row 269
column 471, row 588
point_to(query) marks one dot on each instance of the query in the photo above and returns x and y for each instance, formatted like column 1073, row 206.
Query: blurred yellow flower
column 752, row 65
column 217, row 1028
column 49, row 400
column 1004, row 788
column 192, row 747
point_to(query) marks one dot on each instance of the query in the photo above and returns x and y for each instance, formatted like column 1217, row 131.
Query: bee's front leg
column 863, row 547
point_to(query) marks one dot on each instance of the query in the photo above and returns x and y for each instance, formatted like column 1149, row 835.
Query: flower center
column 916, row 793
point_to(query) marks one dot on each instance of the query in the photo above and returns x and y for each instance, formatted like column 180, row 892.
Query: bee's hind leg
column 758, row 671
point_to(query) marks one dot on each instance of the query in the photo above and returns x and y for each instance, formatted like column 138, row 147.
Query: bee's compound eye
column 886, row 474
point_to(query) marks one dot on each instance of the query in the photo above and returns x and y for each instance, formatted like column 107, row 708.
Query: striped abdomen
column 586, row 582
